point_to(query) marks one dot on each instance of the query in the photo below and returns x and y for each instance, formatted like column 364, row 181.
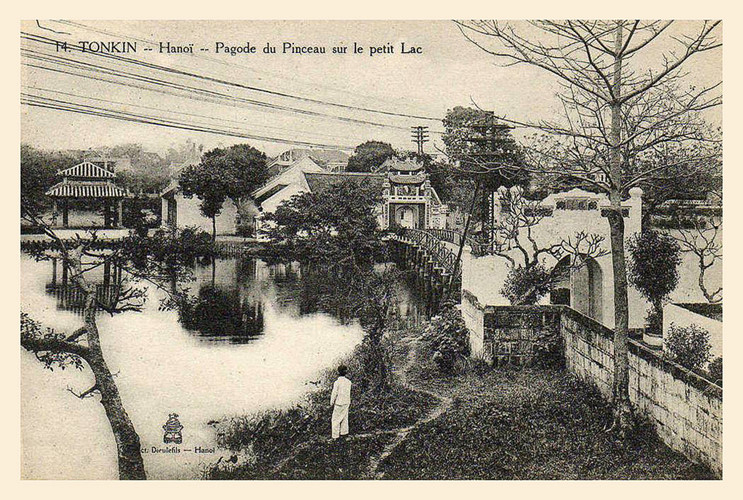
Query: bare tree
column 618, row 113
column 513, row 240
column 702, row 240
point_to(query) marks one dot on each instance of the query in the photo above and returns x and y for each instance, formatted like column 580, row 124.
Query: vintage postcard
column 371, row 250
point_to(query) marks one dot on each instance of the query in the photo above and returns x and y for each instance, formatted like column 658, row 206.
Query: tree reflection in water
column 221, row 314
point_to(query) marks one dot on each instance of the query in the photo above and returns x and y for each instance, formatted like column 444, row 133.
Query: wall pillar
column 65, row 213
column 119, row 213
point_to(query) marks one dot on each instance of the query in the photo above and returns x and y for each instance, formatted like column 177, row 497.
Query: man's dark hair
column 342, row 370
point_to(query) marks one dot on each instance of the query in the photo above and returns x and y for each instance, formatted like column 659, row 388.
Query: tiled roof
column 408, row 179
column 86, row 190
column 400, row 165
column 319, row 181
column 275, row 189
column 322, row 156
column 87, row 169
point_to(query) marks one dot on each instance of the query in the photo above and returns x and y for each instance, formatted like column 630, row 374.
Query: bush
column 447, row 336
column 688, row 346
column 715, row 370
column 653, row 270
column 548, row 350
column 526, row 285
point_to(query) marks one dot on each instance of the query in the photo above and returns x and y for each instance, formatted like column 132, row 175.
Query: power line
column 222, row 62
column 241, row 122
column 51, row 41
column 68, row 62
column 67, row 106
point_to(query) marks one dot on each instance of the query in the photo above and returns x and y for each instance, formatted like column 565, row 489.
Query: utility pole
column 420, row 136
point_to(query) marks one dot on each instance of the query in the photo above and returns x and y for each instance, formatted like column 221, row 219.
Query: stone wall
column 474, row 317
column 516, row 335
column 684, row 408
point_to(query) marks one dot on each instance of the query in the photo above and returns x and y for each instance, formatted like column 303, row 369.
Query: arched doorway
column 580, row 286
column 406, row 217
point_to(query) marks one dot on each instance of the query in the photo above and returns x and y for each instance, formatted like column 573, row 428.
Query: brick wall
column 684, row 408
column 514, row 334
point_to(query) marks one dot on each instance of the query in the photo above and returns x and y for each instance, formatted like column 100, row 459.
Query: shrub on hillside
column 715, row 370
column 688, row 346
column 448, row 338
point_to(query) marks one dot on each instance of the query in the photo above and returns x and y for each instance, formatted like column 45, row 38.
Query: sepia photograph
column 371, row 250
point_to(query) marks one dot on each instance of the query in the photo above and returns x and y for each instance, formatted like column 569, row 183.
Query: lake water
column 250, row 345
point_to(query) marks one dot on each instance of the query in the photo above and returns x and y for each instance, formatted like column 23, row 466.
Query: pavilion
column 89, row 182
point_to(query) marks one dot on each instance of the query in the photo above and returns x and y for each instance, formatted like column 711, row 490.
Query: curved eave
column 90, row 191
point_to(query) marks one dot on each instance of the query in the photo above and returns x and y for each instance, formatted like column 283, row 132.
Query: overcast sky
column 449, row 72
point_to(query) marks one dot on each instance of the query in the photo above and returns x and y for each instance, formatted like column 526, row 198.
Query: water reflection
column 107, row 278
column 222, row 315
column 227, row 300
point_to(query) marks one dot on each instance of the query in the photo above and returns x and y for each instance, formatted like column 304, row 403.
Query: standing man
column 340, row 400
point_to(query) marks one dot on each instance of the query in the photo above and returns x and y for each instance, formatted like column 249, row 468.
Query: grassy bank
column 295, row 443
column 502, row 424
column 530, row 424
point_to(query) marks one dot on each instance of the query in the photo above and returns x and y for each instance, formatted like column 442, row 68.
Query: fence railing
column 442, row 255
column 455, row 237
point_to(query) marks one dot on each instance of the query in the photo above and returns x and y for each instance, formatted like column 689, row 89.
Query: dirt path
column 401, row 434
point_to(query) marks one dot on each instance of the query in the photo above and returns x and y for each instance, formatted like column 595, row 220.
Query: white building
column 179, row 212
column 409, row 200
column 331, row 160
column 589, row 289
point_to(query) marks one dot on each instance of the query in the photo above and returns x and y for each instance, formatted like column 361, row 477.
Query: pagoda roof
column 401, row 165
column 408, row 179
column 86, row 190
column 87, row 169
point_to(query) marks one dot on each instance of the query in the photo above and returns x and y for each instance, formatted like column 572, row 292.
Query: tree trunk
column 131, row 465
column 214, row 228
column 657, row 324
column 457, row 264
column 128, row 445
column 622, row 407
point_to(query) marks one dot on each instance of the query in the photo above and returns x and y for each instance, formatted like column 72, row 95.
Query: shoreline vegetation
column 479, row 423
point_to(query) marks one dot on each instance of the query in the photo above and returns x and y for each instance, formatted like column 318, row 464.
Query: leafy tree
column 39, row 173
column 527, row 285
column 179, row 154
column 243, row 166
column 474, row 139
column 209, row 186
column 653, row 271
column 334, row 234
column 619, row 112
column 715, row 370
column 684, row 178
column 232, row 173
column 142, row 181
column 335, row 228
column 688, row 346
column 369, row 156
